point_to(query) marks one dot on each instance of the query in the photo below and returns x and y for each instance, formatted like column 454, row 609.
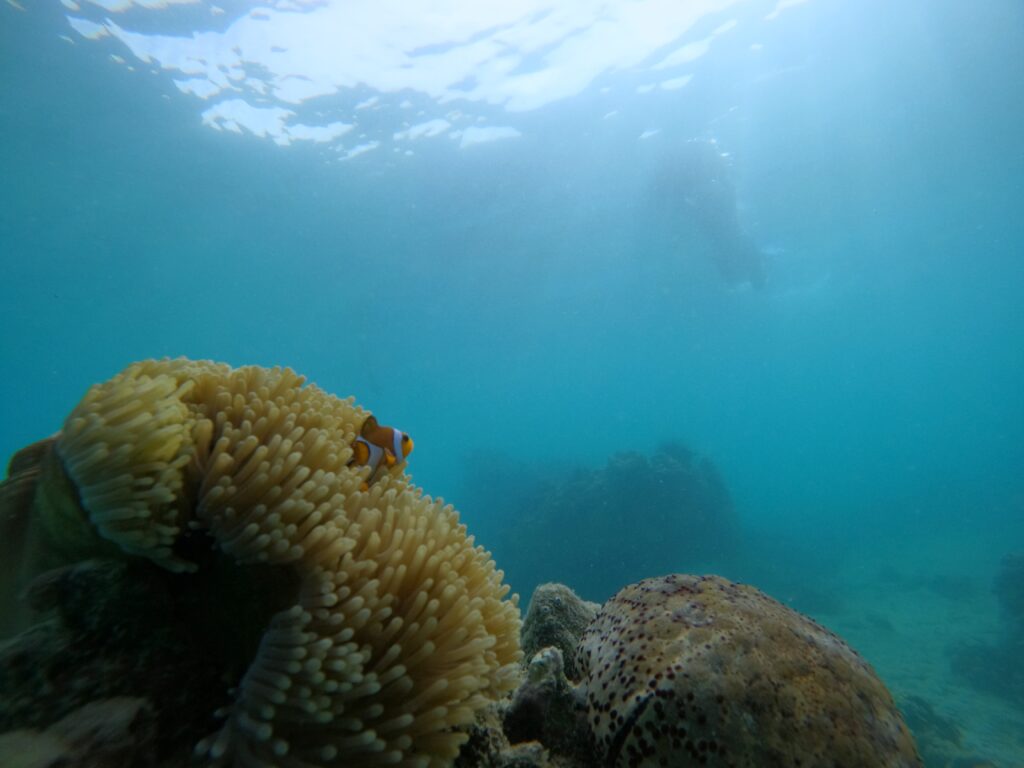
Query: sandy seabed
column 904, row 613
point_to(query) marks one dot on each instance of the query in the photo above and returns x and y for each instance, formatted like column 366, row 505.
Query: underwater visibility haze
column 706, row 286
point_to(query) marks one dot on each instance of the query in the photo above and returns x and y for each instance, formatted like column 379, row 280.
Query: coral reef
column 995, row 667
column 557, row 617
column 196, row 533
column 684, row 670
column 352, row 627
column 679, row 671
column 598, row 529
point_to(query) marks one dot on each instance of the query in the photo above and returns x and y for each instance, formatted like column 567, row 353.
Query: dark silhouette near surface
column 694, row 186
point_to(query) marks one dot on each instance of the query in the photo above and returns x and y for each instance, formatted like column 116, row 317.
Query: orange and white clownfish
column 377, row 446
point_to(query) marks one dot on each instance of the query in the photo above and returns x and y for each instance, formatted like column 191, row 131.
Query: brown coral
column 690, row 670
column 399, row 630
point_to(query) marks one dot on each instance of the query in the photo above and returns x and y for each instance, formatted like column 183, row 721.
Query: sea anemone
column 395, row 628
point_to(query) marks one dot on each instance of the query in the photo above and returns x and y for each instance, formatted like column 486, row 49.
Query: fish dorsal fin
column 369, row 426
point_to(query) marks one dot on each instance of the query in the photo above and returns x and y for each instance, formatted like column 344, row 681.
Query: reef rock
column 117, row 631
column 547, row 708
column 557, row 617
column 690, row 670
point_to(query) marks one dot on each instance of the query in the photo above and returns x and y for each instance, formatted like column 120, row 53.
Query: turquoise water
column 543, row 297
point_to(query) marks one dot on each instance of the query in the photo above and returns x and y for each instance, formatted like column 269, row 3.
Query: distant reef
column 597, row 529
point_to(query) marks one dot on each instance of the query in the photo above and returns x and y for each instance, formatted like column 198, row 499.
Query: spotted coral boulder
column 691, row 670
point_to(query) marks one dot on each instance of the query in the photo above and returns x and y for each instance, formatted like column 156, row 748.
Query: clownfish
column 379, row 446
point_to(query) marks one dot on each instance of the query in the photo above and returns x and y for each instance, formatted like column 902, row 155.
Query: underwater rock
column 557, row 617
column 196, row 534
column 530, row 755
column 598, row 529
column 488, row 747
column 547, row 708
column 485, row 742
column 17, row 493
column 115, row 629
column 684, row 670
column 541, row 725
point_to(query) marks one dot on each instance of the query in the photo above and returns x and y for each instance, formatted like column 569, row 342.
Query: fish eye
column 405, row 438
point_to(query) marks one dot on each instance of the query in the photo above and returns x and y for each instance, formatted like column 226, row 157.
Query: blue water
column 530, row 297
